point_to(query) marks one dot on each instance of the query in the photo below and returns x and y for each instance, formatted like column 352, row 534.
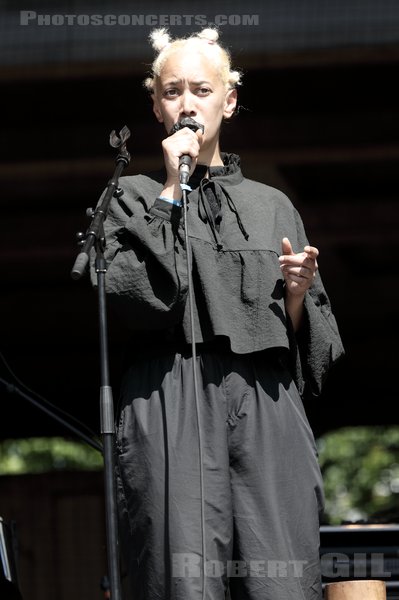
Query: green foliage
column 360, row 467
column 39, row 455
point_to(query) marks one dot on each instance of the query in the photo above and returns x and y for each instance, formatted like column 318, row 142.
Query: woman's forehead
column 190, row 66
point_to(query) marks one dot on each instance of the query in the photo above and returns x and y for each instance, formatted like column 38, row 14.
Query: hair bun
column 209, row 34
column 160, row 38
column 206, row 42
column 235, row 78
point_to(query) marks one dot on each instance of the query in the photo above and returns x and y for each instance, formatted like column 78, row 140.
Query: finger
column 192, row 140
column 310, row 263
column 286, row 246
column 311, row 251
column 200, row 136
column 299, row 271
column 182, row 142
column 184, row 139
column 293, row 259
column 301, row 261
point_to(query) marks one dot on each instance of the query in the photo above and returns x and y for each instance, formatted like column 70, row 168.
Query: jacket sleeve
column 317, row 345
column 146, row 281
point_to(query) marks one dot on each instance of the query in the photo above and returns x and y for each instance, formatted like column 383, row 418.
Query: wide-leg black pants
column 262, row 483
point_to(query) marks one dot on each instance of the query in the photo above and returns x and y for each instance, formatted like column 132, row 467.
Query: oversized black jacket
column 238, row 283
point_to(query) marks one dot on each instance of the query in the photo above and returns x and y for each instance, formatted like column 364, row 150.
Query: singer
column 265, row 338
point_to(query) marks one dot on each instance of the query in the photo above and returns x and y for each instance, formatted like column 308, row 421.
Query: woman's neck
column 211, row 156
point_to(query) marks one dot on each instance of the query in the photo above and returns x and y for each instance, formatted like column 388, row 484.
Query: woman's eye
column 170, row 93
column 203, row 91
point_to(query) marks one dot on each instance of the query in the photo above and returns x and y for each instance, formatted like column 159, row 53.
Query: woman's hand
column 299, row 271
column 184, row 141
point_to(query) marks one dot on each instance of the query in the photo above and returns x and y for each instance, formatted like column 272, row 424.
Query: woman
column 237, row 487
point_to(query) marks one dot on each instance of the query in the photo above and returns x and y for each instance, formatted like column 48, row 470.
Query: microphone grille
column 186, row 122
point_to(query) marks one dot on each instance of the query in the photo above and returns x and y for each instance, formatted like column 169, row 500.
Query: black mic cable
column 184, row 175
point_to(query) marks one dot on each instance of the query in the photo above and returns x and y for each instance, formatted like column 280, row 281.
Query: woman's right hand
column 184, row 141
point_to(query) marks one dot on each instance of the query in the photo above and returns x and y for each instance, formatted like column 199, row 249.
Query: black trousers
column 262, row 484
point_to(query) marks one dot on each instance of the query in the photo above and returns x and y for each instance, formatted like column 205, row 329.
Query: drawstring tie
column 209, row 208
column 234, row 210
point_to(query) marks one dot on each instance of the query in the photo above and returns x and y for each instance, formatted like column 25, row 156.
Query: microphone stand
column 94, row 237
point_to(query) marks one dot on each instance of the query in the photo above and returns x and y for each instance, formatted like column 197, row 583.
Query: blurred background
column 318, row 119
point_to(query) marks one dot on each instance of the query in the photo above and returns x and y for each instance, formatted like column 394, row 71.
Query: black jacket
column 238, row 283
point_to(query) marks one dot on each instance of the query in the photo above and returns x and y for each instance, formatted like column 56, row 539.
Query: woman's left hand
column 299, row 270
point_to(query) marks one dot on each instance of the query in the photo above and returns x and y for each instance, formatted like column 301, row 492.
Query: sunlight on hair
column 206, row 42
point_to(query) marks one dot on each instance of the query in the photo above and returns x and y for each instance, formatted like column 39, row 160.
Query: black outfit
column 262, row 482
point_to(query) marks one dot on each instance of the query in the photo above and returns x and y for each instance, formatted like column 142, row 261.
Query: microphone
column 185, row 160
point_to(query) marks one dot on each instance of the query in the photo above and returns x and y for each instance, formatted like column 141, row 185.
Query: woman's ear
column 230, row 103
column 156, row 109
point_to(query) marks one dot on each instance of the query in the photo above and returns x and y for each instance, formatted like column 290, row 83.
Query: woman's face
column 189, row 85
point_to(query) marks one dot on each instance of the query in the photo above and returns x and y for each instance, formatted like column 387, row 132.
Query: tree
column 360, row 467
column 38, row 455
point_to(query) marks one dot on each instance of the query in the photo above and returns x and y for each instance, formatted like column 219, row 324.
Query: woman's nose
column 188, row 104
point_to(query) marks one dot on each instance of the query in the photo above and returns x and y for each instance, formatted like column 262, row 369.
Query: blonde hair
column 205, row 41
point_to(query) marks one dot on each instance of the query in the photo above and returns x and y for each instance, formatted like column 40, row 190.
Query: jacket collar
column 227, row 174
